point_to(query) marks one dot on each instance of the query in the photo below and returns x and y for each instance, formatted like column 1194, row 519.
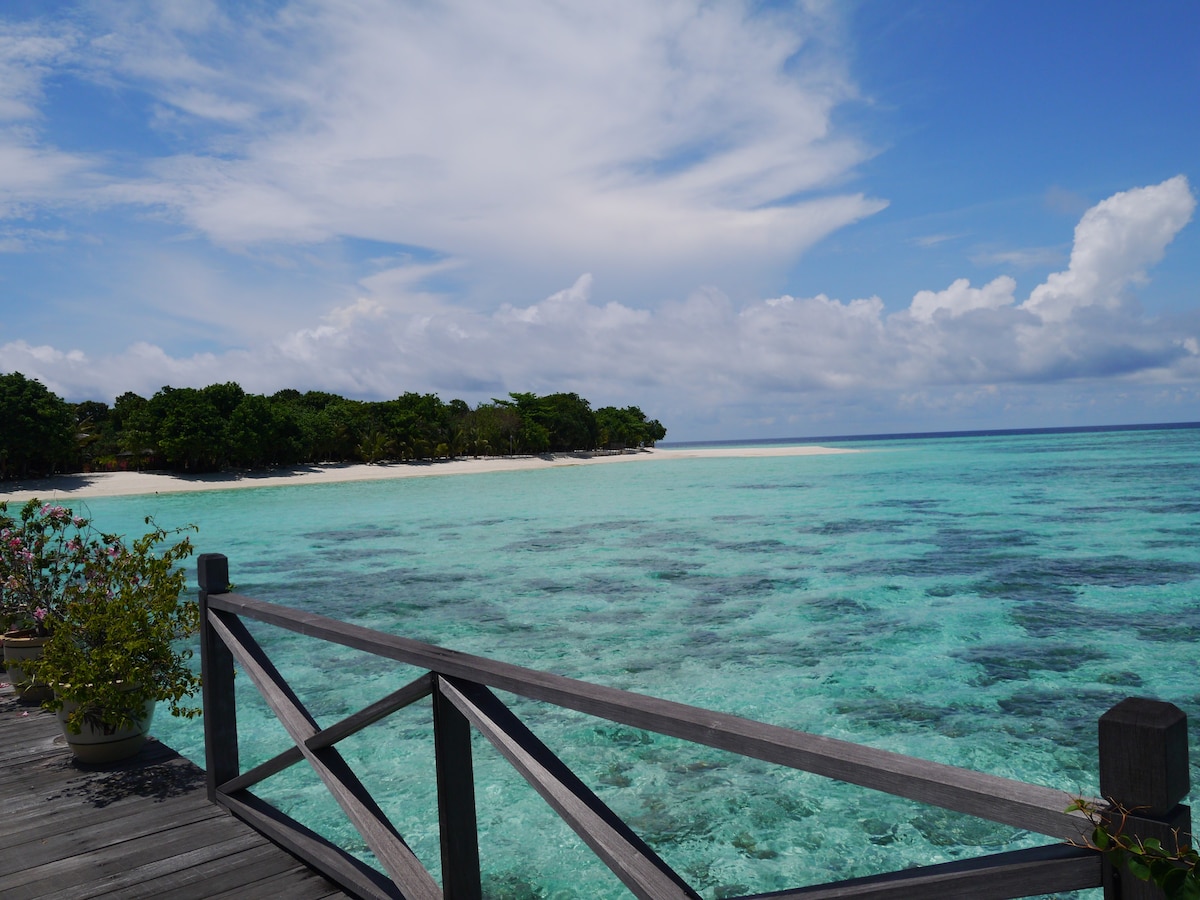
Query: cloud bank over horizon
column 1079, row 324
column 380, row 197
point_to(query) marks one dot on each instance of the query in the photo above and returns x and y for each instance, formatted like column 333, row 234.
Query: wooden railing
column 1143, row 766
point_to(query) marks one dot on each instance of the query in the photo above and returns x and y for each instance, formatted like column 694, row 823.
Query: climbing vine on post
column 1175, row 867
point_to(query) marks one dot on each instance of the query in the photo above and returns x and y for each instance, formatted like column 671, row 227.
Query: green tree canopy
column 38, row 433
column 189, row 430
column 627, row 427
column 204, row 429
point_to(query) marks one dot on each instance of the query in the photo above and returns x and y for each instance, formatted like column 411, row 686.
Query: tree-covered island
column 222, row 426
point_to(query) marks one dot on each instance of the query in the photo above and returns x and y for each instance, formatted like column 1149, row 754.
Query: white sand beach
column 116, row 484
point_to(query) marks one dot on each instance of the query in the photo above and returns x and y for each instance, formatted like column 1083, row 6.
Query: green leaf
column 1172, row 880
column 1161, row 869
column 1138, row 868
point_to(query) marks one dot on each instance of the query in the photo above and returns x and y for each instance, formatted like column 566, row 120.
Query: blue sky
column 752, row 219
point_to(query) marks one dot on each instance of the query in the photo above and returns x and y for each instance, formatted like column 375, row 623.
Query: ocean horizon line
column 933, row 435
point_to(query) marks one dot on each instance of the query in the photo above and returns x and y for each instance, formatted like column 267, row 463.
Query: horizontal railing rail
column 461, row 687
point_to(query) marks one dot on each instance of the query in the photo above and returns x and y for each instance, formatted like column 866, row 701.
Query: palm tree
column 374, row 447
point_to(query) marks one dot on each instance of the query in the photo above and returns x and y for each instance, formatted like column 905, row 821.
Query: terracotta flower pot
column 20, row 646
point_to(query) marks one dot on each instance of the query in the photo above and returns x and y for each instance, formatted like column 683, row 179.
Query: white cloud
column 625, row 136
column 1115, row 242
column 31, row 171
column 961, row 298
column 949, row 350
column 18, row 240
column 654, row 145
column 26, row 57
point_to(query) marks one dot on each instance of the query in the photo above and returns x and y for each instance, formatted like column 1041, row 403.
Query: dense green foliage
column 112, row 613
column 221, row 426
column 37, row 429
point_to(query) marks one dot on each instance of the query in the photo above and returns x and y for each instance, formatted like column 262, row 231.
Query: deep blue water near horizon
column 977, row 600
column 850, row 439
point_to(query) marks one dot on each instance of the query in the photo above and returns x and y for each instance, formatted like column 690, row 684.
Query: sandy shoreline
column 118, row 484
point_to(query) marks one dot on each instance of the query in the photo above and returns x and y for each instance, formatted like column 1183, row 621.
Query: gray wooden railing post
column 456, row 800
column 216, row 672
column 1144, row 769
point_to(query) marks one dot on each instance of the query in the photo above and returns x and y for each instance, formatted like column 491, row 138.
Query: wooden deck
column 143, row 828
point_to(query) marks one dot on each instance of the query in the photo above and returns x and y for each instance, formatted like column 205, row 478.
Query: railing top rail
column 1021, row 805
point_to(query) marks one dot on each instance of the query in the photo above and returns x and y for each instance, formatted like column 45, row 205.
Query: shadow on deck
column 143, row 828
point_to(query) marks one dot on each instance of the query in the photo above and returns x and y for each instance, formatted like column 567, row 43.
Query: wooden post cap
column 212, row 571
column 1144, row 755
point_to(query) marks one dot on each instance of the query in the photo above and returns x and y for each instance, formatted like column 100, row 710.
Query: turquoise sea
column 976, row 600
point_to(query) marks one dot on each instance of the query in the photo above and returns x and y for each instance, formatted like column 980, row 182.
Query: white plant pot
column 20, row 646
column 100, row 744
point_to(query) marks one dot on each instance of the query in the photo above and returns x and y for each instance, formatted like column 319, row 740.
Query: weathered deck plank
column 140, row 829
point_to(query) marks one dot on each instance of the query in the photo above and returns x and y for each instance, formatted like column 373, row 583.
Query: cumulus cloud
column 961, row 298
column 549, row 185
column 957, row 346
column 1115, row 242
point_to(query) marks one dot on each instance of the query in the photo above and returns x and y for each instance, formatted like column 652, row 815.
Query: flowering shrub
column 114, row 612
column 44, row 554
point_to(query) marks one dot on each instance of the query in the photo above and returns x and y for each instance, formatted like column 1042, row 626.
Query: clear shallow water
column 978, row 601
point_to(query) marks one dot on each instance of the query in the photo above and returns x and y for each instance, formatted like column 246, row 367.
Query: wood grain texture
column 1144, row 755
column 141, row 828
column 415, row 690
column 457, row 823
column 1029, row 807
column 339, row 779
column 217, row 692
column 361, row 879
column 627, row 855
column 1002, row 876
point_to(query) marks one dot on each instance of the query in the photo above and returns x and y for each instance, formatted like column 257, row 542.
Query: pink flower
column 26, row 555
column 39, row 614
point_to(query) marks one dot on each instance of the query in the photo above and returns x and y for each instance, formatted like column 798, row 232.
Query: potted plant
column 41, row 553
column 111, row 633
